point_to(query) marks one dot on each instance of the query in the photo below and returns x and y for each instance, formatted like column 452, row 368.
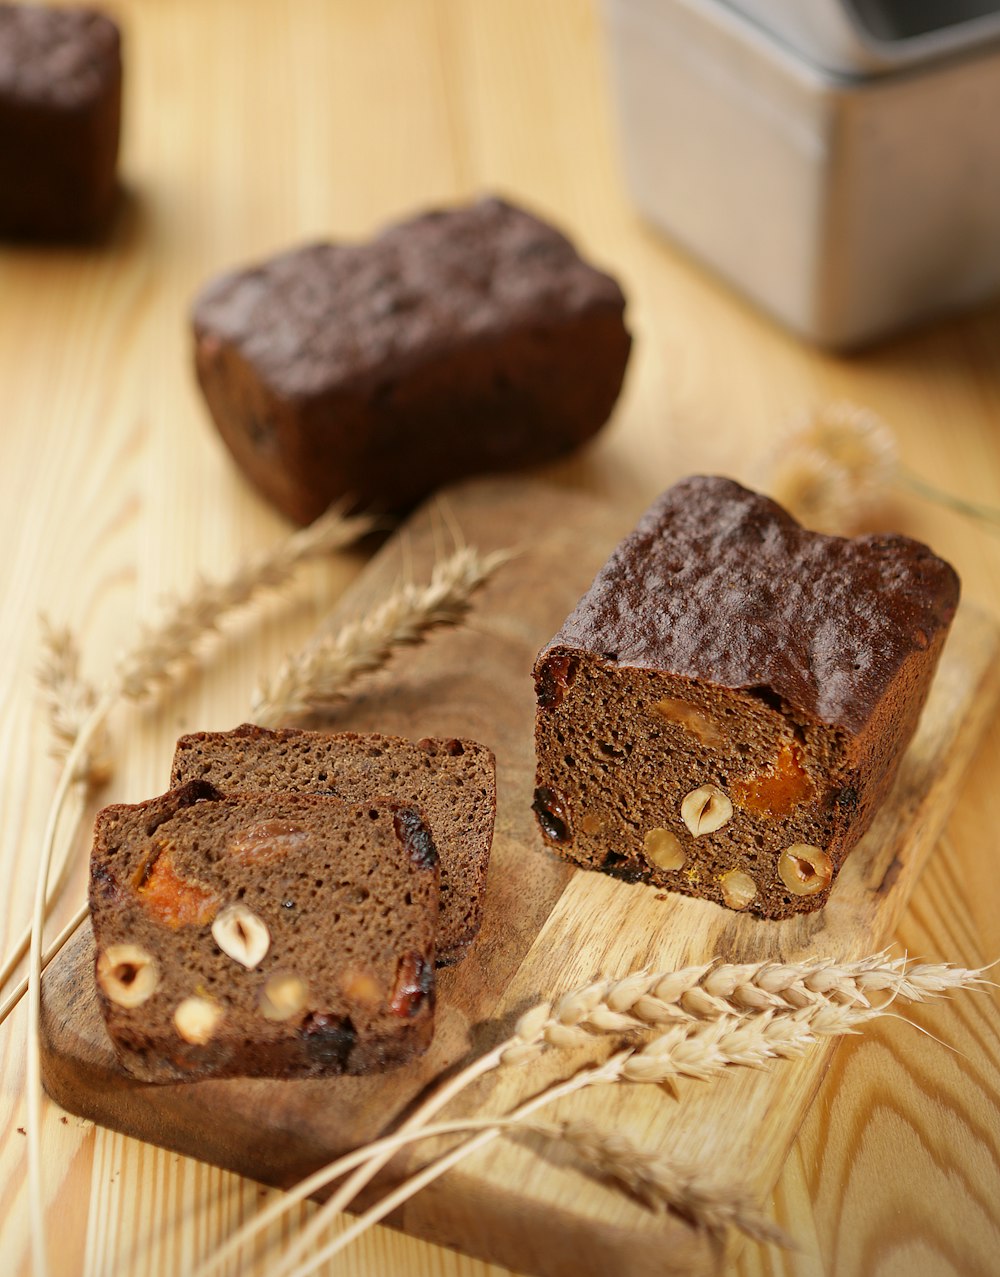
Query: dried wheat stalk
column 315, row 680
column 714, row 989
column 834, row 470
column 139, row 672
column 661, row 1183
column 818, row 988
column 172, row 641
column 698, row 1049
column 69, row 698
column 19, row 990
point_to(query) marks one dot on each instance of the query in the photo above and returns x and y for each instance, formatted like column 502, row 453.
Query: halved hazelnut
column 804, row 869
column 663, row 849
column 283, row 996
column 705, row 810
column 127, row 974
column 738, row 889
column 361, row 987
column 241, row 935
column 196, row 1019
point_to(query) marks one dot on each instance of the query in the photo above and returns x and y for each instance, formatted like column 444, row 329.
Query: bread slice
column 453, row 782
column 263, row 935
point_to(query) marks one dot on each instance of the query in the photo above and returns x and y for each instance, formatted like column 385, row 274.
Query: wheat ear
column 661, row 1182
column 69, row 698
column 698, row 1050
column 657, row 1181
column 315, row 680
column 614, row 1006
column 137, row 674
column 709, row 990
column 161, row 648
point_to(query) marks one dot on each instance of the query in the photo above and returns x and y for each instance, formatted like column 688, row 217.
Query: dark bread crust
column 459, row 342
column 348, row 893
column 724, row 644
column 60, row 119
column 453, row 782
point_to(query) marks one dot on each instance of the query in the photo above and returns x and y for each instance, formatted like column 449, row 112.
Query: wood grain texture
column 254, row 124
column 546, row 929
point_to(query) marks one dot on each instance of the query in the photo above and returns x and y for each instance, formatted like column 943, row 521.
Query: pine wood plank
column 547, row 928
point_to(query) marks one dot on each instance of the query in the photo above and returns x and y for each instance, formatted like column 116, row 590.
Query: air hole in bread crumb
column 372, row 814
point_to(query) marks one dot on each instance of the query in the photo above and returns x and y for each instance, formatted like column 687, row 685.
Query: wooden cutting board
column 547, row 928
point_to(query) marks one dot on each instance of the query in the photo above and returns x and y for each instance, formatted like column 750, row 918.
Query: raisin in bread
column 453, row 782
column 271, row 935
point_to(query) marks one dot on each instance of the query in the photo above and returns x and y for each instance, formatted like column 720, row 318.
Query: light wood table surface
column 254, row 124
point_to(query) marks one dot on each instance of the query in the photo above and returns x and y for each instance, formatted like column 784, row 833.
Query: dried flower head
column 833, row 469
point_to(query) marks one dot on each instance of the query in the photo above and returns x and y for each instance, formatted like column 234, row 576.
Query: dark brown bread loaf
column 60, row 108
column 453, row 782
column 728, row 704
column 263, row 935
column 462, row 341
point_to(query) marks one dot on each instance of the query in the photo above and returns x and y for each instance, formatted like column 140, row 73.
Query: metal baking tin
column 865, row 37
column 845, row 208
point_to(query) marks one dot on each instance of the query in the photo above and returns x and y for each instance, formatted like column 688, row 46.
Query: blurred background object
column 855, row 37
column 845, row 206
